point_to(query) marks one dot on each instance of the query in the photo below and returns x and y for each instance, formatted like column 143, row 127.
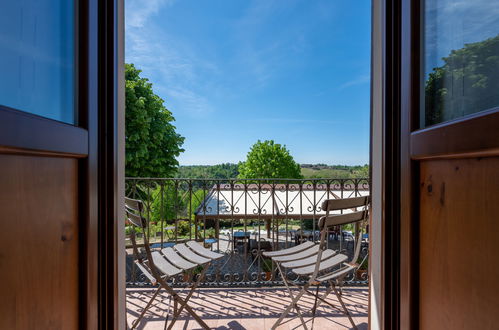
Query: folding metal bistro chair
column 319, row 264
column 159, row 266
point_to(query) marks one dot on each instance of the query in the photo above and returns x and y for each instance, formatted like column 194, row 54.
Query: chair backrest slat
column 135, row 219
column 133, row 210
column 343, row 219
column 353, row 210
column 345, row 203
column 134, row 205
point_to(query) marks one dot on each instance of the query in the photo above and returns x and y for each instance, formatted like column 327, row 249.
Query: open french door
column 446, row 57
column 60, row 155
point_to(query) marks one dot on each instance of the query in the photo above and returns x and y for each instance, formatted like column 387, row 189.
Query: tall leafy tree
column 467, row 82
column 152, row 144
column 268, row 159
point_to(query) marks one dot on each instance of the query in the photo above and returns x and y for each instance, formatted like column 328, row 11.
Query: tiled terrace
column 248, row 308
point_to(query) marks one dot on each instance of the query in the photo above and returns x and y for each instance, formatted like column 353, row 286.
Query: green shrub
column 308, row 224
column 183, row 228
column 365, row 264
column 266, row 265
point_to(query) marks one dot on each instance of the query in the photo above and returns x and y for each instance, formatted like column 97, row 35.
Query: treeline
column 309, row 171
column 221, row 171
column 335, row 171
column 334, row 167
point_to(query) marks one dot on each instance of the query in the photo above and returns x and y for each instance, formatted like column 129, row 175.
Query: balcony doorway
column 242, row 119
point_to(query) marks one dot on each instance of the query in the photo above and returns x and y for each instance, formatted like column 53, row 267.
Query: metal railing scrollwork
column 241, row 218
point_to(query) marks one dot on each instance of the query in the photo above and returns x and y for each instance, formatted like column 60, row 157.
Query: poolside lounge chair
column 159, row 266
column 319, row 264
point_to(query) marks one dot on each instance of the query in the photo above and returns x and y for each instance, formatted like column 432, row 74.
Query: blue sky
column 451, row 24
column 235, row 71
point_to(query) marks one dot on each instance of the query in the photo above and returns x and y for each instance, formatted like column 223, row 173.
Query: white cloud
column 137, row 12
column 172, row 65
column 293, row 121
column 451, row 24
column 195, row 104
column 357, row 81
column 262, row 47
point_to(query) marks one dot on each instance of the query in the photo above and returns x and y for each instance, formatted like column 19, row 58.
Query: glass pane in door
column 37, row 57
column 460, row 59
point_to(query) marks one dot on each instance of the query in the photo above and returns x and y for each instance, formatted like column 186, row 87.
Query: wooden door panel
column 39, row 242
column 459, row 235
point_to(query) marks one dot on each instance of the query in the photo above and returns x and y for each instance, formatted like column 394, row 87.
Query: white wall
column 375, row 229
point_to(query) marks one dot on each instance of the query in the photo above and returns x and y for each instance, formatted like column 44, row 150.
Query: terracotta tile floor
column 247, row 308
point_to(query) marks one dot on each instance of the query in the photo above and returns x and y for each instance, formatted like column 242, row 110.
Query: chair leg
column 190, row 311
column 186, row 300
column 293, row 304
column 343, row 305
column 136, row 322
column 168, row 311
column 314, row 309
column 328, row 291
column 290, row 292
column 322, row 299
column 183, row 304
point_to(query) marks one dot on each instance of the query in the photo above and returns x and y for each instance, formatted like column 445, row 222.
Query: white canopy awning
column 270, row 201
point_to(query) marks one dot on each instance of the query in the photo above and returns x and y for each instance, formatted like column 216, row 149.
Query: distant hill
column 309, row 171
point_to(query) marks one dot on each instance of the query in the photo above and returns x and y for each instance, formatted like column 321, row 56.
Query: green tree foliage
column 198, row 197
column 319, row 171
column 268, row 159
column 221, row 171
column 308, row 171
column 152, row 143
column 166, row 205
column 468, row 82
column 362, row 172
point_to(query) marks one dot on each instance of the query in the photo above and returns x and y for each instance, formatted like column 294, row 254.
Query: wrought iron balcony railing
column 241, row 218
